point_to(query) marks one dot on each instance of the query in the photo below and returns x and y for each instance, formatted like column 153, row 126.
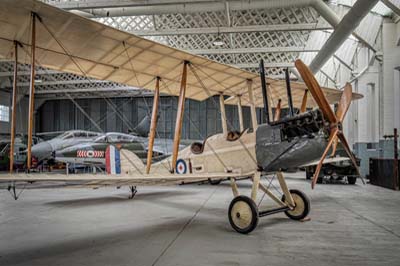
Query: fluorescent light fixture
column 218, row 41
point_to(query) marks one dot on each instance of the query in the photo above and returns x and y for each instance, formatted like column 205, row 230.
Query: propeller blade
column 303, row 107
column 316, row 92
column 277, row 115
column 349, row 153
column 344, row 103
column 332, row 137
column 334, row 147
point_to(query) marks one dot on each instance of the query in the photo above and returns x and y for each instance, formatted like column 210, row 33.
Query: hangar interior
column 362, row 49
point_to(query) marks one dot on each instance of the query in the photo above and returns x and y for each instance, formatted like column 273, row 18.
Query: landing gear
column 302, row 205
column 214, row 182
column 243, row 214
column 351, row 179
column 133, row 191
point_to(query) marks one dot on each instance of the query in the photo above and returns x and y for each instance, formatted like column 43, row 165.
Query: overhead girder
column 252, row 50
column 343, row 30
column 392, row 6
column 236, row 29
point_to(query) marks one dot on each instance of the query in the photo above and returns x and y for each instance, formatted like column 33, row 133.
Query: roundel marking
column 181, row 167
column 90, row 154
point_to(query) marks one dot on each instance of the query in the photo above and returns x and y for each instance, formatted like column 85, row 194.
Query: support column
column 31, row 92
column 240, row 113
column 153, row 125
column 223, row 115
column 13, row 107
column 179, row 116
column 252, row 104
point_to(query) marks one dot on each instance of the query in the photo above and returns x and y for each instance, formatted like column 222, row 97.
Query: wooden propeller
column 335, row 120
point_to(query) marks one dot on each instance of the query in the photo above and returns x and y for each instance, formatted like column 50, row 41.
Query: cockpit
column 115, row 138
column 78, row 134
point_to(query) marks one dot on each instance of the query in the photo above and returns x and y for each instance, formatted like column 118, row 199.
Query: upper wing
column 88, row 180
column 71, row 43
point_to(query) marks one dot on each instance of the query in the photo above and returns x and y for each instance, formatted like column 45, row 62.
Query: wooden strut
column 13, row 107
column 240, row 113
column 153, row 126
column 303, row 107
column 285, row 189
column 179, row 117
column 278, row 110
column 252, row 104
column 223, row 115
column 31, row 92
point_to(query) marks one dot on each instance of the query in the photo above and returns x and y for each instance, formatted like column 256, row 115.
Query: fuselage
column 277, row 146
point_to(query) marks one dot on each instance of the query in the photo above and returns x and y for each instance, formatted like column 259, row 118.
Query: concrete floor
column 188, row 225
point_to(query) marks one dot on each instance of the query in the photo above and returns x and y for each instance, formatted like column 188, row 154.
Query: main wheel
column 352, row 180
column 302, row 205
column 243, row 214
column 214, row 182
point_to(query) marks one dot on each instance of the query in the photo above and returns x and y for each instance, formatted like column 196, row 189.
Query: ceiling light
column 218, row 41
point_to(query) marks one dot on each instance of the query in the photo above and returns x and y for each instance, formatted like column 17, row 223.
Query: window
column 4, row 113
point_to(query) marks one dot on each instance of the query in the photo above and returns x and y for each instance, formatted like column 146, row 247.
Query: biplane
column 36, row 33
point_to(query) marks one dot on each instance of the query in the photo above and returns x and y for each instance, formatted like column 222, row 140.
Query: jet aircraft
column 93, row 153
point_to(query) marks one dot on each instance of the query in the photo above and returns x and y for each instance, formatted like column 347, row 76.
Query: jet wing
column 71, row 43
column 87, row 180
column 328, row 160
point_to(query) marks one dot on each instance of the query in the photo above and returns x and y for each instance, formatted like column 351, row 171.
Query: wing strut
column 153, row 125
column 31, row 91
column 277, row 115
column 14, row 104
column 240, row 112
column 179, row 116
column 303, row 107
column 264, row 91
column 289, row 92
column 252, row 104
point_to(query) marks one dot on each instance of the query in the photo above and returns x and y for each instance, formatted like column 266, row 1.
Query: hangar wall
column 22, row 112
column 201, row 118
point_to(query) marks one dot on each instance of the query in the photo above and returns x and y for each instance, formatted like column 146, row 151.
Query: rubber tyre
column 300, row 199
column 214, row 182
column 243, row 210
column 352, row 180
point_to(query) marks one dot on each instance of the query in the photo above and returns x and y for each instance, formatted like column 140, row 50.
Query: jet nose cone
column 42, row 150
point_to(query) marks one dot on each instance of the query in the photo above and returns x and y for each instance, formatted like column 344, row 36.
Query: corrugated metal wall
column 201, row 118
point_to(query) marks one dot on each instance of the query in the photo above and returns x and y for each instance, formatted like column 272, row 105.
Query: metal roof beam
column 343, row 30
column 72, row 90
column 238, row 29
column 27, row 73
column 62, row 82
column 392, row 6
column 252, row 50
column 267, row 65
column 192, row 7
column 96, row 4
